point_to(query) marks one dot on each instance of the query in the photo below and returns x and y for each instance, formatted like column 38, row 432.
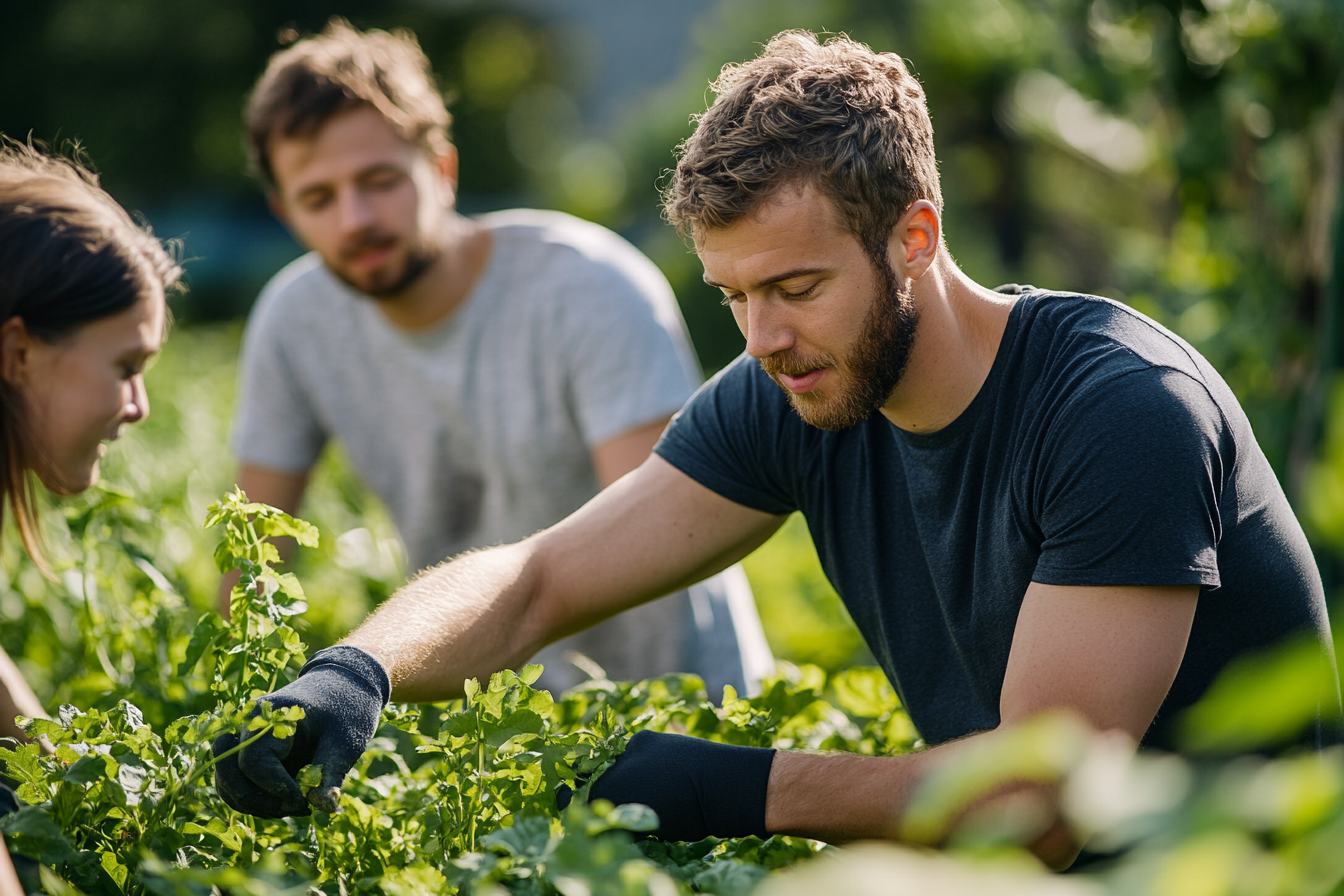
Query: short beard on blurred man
column 386, row 284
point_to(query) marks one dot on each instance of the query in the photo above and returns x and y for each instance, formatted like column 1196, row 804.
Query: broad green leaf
column 309, row 777
column 209, row 628
column 31, row 832
column 1263, row 700
column 864, row 691
column 528, row 837
column 459, row 724
column 416, row 880
column 93, row 767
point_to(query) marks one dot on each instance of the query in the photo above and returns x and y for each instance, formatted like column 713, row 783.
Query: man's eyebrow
column 777, row 278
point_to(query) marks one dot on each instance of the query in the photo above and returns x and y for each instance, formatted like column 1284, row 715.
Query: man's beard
column 872, row 368
column 419, row 257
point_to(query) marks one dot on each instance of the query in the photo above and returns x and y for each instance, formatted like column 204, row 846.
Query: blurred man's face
column 370, row 203
column 830, row 325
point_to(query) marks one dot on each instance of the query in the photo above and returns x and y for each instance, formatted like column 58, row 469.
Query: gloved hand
column 342, row 691
column 697, row 787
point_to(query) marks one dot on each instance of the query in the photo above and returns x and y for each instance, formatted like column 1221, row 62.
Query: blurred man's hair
column 848, row 120
column 306, row 85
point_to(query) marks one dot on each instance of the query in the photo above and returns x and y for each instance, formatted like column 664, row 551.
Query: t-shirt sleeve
column 629, row 360
column 274, row 424
column 1132, row 482
column 732, row 438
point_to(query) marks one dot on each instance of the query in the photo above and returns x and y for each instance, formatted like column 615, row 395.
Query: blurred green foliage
column 1184, row 157
column 154, row 92
column 155, row 89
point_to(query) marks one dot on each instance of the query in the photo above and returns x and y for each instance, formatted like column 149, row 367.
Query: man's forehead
column 796, row 194
column 793, row 229
column 350, row 141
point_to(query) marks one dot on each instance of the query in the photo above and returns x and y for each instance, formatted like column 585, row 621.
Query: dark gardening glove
column 342, row 691
column 697, row 787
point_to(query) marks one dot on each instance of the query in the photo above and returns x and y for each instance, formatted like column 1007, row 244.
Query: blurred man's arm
column 16, row 699
column 617, row 456
column 266, row 486
column 9, row 879
column 653, row 532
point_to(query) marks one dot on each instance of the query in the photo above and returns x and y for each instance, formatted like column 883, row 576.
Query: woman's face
column 80, row 390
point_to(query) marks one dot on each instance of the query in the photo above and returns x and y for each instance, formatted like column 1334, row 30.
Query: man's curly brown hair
column 851, row 121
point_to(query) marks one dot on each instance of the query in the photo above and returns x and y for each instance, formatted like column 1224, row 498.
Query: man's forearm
column 463, row 619
column 16, row 698
column 839, row 797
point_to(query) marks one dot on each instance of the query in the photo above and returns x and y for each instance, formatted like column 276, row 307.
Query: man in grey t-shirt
column 485, row 376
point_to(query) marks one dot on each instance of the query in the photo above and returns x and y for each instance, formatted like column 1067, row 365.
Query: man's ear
column 446, row 162
column 16, row 345
column 916, row 238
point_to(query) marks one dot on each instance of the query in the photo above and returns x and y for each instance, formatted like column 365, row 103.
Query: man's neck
column 446, row 283
column 961, row 324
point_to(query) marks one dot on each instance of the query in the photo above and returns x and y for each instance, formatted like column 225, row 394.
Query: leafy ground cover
column 457, row 796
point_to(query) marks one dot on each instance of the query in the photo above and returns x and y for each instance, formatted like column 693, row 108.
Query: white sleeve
column 274, row 423
column 628, row 356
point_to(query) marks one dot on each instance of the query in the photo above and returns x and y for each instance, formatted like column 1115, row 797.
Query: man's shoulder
column 302, row 288
column 551, row 228
column 1099, row 359
column 572, row 250
column 1103, row 339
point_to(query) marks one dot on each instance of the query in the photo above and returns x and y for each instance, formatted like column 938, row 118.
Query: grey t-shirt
column 478, row 431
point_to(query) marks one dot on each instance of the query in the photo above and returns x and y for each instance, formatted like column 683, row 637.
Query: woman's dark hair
column 69, row 256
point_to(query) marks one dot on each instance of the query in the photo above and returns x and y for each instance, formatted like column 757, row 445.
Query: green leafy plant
column 452, row 797
column 460, row 797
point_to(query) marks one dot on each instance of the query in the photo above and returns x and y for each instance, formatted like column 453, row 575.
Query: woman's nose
column 137, row 408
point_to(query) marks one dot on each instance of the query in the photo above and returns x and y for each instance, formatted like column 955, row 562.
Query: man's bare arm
column 653, row 532
column 266, row 486
column 1109, row 654
column 9, row 878
column 16, row 699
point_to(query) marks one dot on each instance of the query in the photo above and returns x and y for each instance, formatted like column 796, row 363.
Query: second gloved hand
column 342, row 691
column 698, row 788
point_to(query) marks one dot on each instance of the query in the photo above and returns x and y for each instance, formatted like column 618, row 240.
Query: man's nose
column 355, row 214
column 766, row 332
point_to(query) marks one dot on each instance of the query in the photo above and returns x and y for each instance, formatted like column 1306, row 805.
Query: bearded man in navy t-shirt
column 1028, row 500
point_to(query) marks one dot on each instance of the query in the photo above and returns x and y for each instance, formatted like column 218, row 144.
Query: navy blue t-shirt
column 1101, row 450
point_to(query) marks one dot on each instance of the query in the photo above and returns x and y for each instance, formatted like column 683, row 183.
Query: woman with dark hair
column 82, row 309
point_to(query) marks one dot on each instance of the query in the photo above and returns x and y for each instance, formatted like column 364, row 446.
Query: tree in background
column 154, row 90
